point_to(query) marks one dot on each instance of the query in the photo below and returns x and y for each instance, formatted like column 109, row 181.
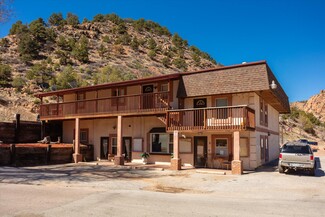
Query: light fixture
column 273, row 85
column 114, row 127
column 183, row 136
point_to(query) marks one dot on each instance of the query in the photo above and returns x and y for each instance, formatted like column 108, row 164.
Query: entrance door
column 147, row 99
column 127, row 148
column 104, row 147
column 266, row 149
column 199, row 114
column 200, row 151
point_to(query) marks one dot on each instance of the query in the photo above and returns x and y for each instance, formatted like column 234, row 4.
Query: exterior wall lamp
column 273, row 85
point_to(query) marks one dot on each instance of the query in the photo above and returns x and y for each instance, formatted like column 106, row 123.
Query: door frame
column 199, row 114
column 129, row 158
column 101, row 146
column 205, row 150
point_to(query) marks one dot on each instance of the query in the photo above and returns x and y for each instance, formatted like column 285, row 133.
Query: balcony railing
column 214, row 118
column 149, row 102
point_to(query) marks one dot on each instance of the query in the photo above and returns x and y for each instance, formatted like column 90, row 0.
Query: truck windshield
column 295, row 149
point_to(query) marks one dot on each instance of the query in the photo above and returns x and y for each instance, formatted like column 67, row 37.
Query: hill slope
column 64, row 53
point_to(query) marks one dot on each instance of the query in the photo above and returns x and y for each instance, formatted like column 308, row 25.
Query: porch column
column 176, row 162
column 236, row 164
column 119, row 158
column 77, row 157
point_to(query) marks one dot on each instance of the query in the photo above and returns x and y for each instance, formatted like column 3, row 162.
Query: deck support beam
column 77, row 157
column 237, row 164
column 119, row 158
column 176, row 162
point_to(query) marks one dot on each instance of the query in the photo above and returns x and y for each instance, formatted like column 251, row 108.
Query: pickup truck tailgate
column 296, row 157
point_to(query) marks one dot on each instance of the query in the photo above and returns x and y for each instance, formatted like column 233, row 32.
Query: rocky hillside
column 63, row 53
column 307, row 120
column 315, row 105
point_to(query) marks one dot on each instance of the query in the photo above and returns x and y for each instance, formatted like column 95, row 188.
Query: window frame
column 264, row 114
column 116, row 96
column 216, row 147
column 169, row 145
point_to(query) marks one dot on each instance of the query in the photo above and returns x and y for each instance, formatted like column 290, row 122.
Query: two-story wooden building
column 221, row 117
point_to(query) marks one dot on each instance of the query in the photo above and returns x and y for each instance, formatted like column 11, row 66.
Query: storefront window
column 222, row 147
column 161, row 143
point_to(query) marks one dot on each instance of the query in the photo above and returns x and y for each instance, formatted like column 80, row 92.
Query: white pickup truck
column 297, row 156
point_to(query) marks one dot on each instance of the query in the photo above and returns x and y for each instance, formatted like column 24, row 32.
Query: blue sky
column 288, row 34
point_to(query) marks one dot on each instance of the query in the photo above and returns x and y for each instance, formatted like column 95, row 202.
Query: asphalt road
column 99, row 190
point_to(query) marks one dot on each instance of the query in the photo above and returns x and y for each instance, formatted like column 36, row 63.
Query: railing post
column 205, row 119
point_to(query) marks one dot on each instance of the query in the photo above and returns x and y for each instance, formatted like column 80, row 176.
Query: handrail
column 219, row 107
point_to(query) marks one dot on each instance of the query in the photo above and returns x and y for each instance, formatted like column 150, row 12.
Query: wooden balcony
column 111, row 106
column 213, row 118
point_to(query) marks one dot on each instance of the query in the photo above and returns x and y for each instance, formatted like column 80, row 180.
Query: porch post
column 119, row 158
column 77, row 157
column 176, row 162
column 236, row 164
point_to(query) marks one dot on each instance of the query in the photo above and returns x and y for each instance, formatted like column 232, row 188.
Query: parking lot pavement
column 95, row 190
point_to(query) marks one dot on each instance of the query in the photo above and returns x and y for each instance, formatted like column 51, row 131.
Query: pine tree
column 80, row 51
column 56, row 19
column 72, row 20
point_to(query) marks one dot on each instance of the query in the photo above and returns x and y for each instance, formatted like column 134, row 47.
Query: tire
column 312, row 172
column 281, row 169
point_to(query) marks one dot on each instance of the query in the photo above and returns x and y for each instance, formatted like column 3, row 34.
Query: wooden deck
column 104, row 107
column 213, row 118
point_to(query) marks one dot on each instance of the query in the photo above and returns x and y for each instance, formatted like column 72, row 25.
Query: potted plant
column 144, row 157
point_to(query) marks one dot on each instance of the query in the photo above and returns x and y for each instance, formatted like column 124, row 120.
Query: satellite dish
column 53, row 87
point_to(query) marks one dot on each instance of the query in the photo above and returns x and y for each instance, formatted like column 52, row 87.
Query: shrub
column 152, row 54
column 5, row 75
column 39, row 73
column 180, row 63
column 72, row 19
column 18, row 82
column 28, row 48
column 99, row 18
column 80, row 50
column 56, row 19
column 196, row 58
column 135, row 44
column 152, row 44
column 67, row 78
column 18, row 28
column 166, row 61
column 38, row 30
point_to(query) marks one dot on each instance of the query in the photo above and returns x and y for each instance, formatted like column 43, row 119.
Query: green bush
column 152, row 54
column 135, row 44
column 38, row 30
column 81, row 50
column 56, row 19
column 166, row 61
column 5, row 75
column 152, row 44
column 18, row 28
column 39, row 73
column 18, row 82
column 180, row 63
column 67, row 79
column 72, row 19
column 28, row 48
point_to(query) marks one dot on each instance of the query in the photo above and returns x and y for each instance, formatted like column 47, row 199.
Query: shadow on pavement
column 69, row 173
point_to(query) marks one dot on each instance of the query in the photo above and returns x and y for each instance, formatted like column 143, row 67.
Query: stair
column 162, row 118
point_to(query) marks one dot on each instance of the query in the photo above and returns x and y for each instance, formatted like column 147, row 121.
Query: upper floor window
column 263, row 113
column 222, row 112
column 119, row 92
column 164, row 87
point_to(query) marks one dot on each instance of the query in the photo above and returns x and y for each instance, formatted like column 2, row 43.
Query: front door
column 104, row 147
column 199, row 114
column 127, row 148
column 200, row 151
column 147, row 99
column 266, row 149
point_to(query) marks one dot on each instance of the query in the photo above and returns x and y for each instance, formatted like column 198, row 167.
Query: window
column 83, row 135
column 119, row 92
column 222, row 147
column 222, row 112
column 80, row 97
column 263, row 113
column 114, row 145
column 164, row 87
column 161, row 143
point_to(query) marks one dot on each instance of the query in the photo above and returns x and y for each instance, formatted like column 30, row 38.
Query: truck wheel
column 312, row 172
column 281, row 169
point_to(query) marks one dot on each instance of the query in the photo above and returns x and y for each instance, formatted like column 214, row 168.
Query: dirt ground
column 89, row 189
